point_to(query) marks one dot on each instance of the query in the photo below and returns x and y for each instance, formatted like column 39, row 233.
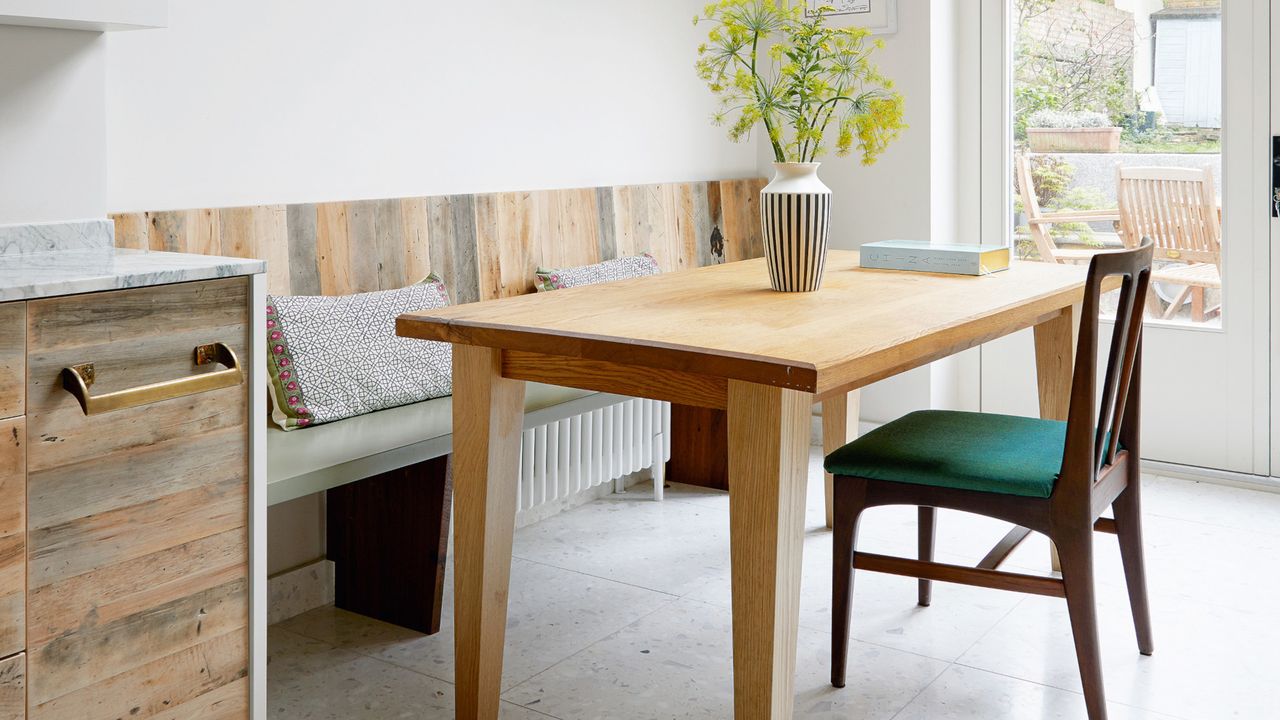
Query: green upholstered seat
column 968, row 451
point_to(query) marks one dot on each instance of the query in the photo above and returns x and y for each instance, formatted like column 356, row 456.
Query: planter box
column 1069, row 140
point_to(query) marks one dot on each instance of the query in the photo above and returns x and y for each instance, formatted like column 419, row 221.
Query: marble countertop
column 30, row 275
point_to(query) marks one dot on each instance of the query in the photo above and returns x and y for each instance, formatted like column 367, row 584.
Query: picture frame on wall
column 878, row 16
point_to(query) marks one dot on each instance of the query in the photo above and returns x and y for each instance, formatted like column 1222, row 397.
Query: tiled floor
column 619, row 610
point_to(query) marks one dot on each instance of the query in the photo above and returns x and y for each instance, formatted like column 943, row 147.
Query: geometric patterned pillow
column 331, row 358
column 607, row 271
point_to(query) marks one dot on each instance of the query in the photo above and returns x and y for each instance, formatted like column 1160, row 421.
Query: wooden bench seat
column 323, row 457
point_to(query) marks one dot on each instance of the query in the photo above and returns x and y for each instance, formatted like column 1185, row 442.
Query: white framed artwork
column 878, row 16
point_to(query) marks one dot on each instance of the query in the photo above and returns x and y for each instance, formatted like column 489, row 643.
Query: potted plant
column 772, row 65
column 1072, row 132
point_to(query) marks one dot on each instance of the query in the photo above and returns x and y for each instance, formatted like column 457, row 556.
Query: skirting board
column 293, row 592
column 1261, row 483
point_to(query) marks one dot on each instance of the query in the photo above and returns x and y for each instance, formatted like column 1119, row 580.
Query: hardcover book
column 923, row 256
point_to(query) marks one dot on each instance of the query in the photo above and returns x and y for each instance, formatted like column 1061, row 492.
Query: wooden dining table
column 714, row 337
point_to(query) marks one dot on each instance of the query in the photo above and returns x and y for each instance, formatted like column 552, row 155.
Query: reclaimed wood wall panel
column 483, row 246
column 257, row 231
column 331, row 249
column 13, row 358
column 304, row 260
column 739, row 219
column 13, row 688
column 137, row 561
column 608, row 235
column 451, row 222
column 131, row 230
column 13, row 536
column 415, row 218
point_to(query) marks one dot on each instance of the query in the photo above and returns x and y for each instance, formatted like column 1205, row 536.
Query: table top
column 725, row 321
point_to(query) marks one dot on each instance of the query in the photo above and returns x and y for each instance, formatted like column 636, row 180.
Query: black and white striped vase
column 795, row 213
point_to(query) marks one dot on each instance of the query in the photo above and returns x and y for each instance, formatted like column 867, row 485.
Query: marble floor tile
column 662, row 546
column 1212, row 504
column 311, row 680
column 1185, row 560
column 884, row 606
column 1211, row 662
column 552, row 614
column 815, row 505
column 967, row 694
column 676, row 663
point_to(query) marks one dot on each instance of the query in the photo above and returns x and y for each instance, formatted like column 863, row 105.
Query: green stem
column 778, row 154
column 831, row 111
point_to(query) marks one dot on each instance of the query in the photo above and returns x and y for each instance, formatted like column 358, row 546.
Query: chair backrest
column 483, row 246
column 1096, row 431
column 1177, row 208
column 1031, row 206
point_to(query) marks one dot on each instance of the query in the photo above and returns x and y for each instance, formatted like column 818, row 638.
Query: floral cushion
column 620, row 269
column 337, row 357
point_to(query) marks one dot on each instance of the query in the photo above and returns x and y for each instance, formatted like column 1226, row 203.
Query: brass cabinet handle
column 78, row 378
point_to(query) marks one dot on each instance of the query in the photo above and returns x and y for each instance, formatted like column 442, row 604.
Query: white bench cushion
column 301, row 462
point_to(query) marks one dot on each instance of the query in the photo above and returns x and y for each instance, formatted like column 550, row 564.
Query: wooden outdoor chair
column 1039, row 222
column 1177, row 208
column 1042, row 475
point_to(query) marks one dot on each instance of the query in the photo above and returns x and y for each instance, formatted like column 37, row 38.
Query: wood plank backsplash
column 483, row 246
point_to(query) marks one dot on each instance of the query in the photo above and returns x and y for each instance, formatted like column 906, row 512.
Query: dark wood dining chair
column 1044, row 476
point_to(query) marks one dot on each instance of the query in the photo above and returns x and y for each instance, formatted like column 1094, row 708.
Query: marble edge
column 69, row 236
column 170, row 270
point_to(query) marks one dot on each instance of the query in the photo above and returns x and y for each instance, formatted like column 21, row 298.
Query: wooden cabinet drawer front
column 137, row 548
column 13, row 688
column 13, row 528
column 13, row 358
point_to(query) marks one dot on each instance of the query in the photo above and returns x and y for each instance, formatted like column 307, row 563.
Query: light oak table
column 713, row 337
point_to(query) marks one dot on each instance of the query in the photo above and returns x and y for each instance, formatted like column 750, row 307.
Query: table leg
column 1055, row 361
column 839, row 426
column 768, row 468
column 488, row 412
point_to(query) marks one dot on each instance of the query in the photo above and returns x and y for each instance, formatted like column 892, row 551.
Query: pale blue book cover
column 923, row 256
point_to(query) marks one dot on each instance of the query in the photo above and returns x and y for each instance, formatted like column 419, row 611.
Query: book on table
column 923, row 256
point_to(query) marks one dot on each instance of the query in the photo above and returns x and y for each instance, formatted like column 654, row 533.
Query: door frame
column 1251, row 318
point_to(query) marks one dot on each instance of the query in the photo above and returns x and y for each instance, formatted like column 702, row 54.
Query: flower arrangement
column 810, row 78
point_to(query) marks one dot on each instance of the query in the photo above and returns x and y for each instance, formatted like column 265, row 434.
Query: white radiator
column 572, row 456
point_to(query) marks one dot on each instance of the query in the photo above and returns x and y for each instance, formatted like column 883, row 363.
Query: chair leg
column 1177, row 303
column 1075, row 548
column 850, row 496
column 1128, row 512
column 1154, row 308
column 1197, row 304
column 925, row 530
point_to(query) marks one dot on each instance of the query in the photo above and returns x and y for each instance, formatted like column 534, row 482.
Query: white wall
column 252, row 101
column 1143, row 39
column 52, row 125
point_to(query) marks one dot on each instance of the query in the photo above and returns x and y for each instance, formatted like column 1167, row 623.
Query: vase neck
column 790, row 170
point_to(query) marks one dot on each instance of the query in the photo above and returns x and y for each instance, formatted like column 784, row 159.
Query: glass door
column 1127, row 119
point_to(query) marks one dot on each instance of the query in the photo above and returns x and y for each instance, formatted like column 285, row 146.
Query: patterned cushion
column 607, row 271
column 336, row 357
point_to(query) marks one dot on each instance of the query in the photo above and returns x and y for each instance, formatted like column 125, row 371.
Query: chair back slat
column 1176, row 208
column 1095, row 429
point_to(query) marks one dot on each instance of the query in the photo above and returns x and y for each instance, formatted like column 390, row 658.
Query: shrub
column 1067, row 120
